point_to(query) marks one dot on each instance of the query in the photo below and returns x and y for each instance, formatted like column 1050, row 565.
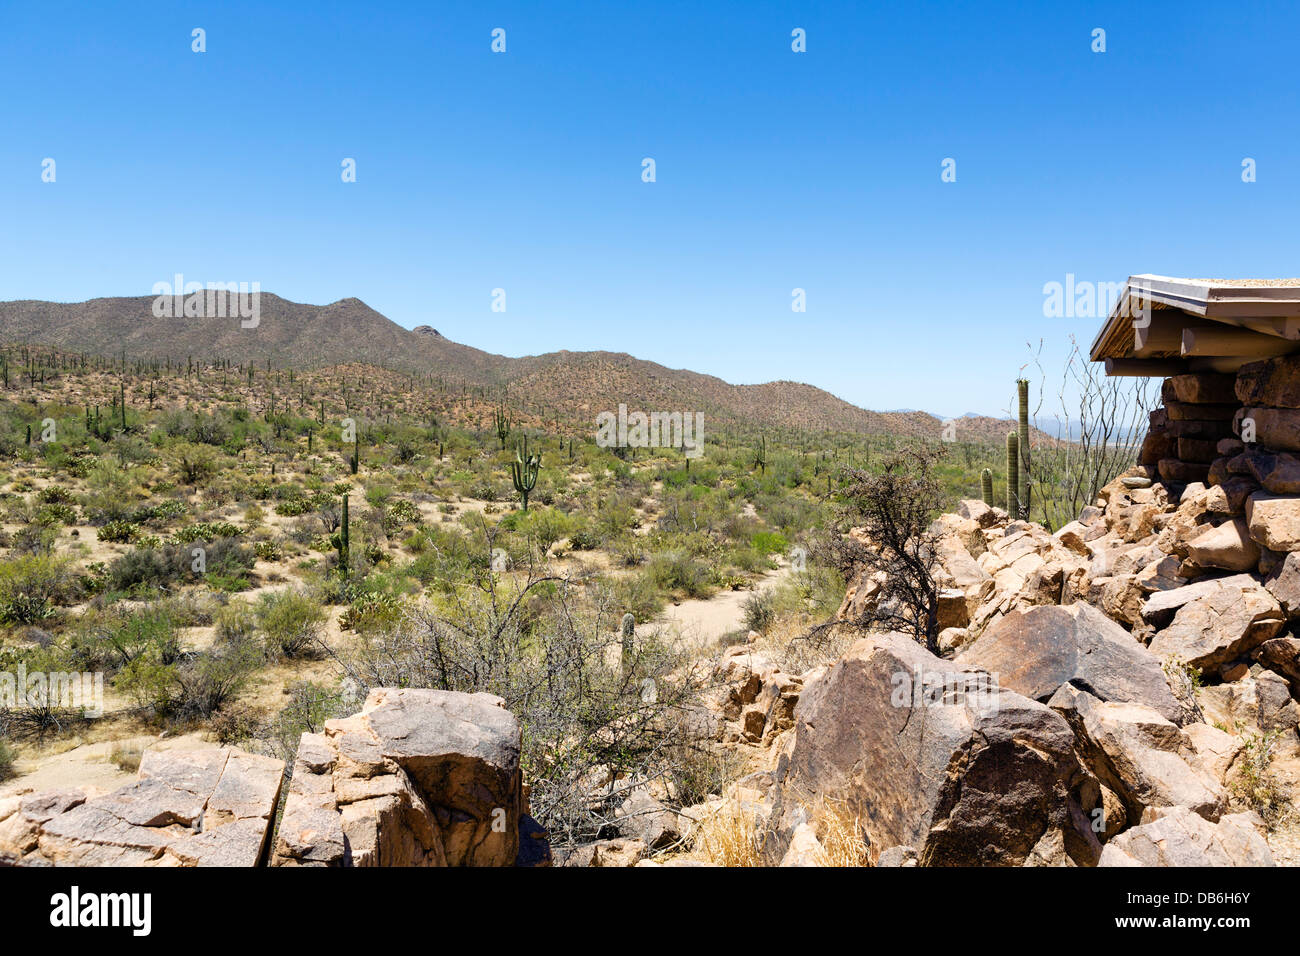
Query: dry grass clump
column 728, row 836
column 839, row 831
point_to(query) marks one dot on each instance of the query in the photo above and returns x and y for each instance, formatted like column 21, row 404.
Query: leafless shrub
column 894, row 509
column 1100, row 424
column 593, row 727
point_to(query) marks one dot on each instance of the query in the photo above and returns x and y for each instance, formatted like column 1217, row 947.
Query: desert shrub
column 226, row 562
column 729, row 836
column 111, row 492
column 56, row 514
column 895, row 508
column 586, row 721
column 194, row 463
column 310, row 705
column 7, row 760
column 126, row 757
column 638, row 595
column 34, row 539
column 759, row 611
column 267, row 551
column 584, row 539
column 31, row 586
column 235, row 623
column 1255, row 785
column 769, row 542
column 290, row 621
column 193, row 687
column 680, row 573
column 119, row 531
column 113, row 639
column 56, row 495
column 207, row 531
column 372, row 610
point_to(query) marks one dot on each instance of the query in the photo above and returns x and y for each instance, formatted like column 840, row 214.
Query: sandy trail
column 701, row 622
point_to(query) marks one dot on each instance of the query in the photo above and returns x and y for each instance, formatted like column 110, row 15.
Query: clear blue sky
column 775, row 170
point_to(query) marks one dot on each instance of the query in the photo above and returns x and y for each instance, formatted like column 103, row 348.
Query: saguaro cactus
column 1022, row 389
column 342, row 541
column 986, row 486
column 502, row 422
column 1013, row 475
column 523, row 471
column 627, row 632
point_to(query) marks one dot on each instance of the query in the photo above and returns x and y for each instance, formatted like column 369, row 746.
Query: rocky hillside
column 575, row 385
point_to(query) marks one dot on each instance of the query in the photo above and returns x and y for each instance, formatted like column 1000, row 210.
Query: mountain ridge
column 574, row 383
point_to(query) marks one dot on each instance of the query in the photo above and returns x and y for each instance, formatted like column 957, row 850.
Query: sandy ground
column 703, row 622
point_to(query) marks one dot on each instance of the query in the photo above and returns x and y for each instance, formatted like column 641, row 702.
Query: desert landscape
column 398, row 619
column 813, row 439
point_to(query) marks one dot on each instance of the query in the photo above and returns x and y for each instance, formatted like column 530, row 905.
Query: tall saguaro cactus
column 1022, row 389
column 986, row 486
column 523, row 471
column 342, row 541
column 1013, row 475
column 502, row 422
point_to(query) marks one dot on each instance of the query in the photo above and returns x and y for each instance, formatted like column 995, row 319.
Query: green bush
column 32, row 585
column 119, row 531
column 291, row 622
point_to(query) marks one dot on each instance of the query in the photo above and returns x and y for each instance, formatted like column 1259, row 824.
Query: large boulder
column 188, row 808
column 1034, row 652
column 928, row 756
column 1283, row 582
column 1183, row 838
column 1225, row 624
column 418, row 778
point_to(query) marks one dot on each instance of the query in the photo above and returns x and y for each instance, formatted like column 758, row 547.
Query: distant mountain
column 573, row 384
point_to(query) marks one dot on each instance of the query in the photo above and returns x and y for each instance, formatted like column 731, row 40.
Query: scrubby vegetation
column 243, row 551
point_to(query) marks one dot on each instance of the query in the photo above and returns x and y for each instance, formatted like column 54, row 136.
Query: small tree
column 895, row 509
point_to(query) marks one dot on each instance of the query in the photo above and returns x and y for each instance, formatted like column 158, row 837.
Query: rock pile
column 1145, row 691
column 417, row 778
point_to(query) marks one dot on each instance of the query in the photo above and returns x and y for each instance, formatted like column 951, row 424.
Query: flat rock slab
column 188, row 808
column 1034, row 652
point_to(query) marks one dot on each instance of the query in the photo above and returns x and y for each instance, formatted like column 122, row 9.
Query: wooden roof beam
column 1145, row 368
column 1232, row 343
